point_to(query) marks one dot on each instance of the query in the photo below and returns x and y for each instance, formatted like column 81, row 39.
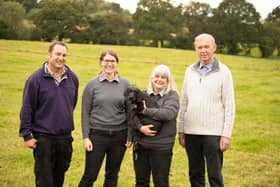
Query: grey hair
column 204, row 36
column 162, row 69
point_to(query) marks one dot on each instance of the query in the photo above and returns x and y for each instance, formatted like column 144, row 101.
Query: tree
column 267, row 39
column 274, row 17
column 157, row 20
column 197, row 17
column 235, row 22
column 28, row 4
column 94, row 6
column 60, row 19
column 11, row 18
column 109, row 27
column 3, row 30
column 272, row 23
column 108, row 22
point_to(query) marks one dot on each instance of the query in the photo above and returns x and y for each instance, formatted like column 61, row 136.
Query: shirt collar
column 46, row 70
column 102, row 78
column 209, row 66
column 161, row 93
column 215, row 65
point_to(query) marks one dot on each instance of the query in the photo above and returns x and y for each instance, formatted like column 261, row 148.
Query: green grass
column 254, row 157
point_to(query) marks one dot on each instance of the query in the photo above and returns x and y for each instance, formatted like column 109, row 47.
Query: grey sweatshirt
column 103, row 105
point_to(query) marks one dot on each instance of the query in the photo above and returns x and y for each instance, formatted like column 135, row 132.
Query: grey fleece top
column 166, row 113
column 103, row 105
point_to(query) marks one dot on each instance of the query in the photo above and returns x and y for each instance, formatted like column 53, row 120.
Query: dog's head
column 135, row 97
column 133, row 94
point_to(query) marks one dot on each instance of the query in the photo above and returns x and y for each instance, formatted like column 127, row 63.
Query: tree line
column 235, row 24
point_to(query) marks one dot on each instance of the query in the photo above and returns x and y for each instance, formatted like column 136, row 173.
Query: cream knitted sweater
column 207, row 104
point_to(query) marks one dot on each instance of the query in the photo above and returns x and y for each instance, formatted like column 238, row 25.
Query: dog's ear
column 126, row 92
column 139, row 97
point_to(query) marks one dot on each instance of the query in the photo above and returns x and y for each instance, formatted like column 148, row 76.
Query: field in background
column 254, row 156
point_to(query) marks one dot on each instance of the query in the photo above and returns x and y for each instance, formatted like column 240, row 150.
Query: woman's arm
column 86, row 108
column 167, row 111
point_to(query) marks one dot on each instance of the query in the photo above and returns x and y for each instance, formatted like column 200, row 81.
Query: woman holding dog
column 104, row 125
column 152, row 152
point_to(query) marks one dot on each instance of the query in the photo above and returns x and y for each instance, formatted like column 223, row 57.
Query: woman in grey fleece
column 104, row 124
column 152, row 152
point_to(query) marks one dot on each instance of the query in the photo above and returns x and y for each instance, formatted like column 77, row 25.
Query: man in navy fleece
column 46, row 117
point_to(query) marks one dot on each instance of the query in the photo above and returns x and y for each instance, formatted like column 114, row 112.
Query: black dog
column 134, row 99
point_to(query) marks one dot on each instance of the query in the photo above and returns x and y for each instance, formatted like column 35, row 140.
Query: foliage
column 109, row 27
column 156, row 20
column 94, row 6
column 273, row 21
column 234, row 22
column 269, row 39
column 28, row 4
column 183, row 40
column 197, row 17
column 266, row 46
column 60, row 19
column 274, row 17
column 11, row 18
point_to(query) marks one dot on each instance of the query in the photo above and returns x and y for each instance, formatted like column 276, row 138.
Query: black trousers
column 105, row 143
column 201, row 148
column 155, row 162
column 52, row 159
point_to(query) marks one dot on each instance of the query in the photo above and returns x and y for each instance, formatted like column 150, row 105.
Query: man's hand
column 224, row 143
column 32, row 143
column 128, row 144
column 181, row 138
column 88, row 144
column 146, row 129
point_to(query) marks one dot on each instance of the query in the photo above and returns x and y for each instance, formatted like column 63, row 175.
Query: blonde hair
column 163, row 69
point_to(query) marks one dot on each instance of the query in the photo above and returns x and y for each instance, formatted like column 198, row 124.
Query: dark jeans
column 147, row 161
column 111, row 144
column 52, row 159
column 201, row 148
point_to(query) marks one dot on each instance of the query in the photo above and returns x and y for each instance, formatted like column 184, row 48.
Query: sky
column 264, row 7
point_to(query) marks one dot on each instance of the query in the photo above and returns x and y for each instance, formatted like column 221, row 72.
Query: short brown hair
column 56, row 43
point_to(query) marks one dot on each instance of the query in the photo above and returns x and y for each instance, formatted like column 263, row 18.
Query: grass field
column 254, row 156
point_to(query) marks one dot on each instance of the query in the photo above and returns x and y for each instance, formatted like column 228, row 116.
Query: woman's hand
column 146, row 129
column 88, row 144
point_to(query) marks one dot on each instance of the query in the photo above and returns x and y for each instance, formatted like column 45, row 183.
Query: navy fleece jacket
column 47, row 108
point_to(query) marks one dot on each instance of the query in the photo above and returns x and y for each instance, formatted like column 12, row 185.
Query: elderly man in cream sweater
column 207, row 112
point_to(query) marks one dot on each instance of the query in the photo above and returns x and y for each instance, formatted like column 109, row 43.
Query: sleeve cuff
column 27, row 137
